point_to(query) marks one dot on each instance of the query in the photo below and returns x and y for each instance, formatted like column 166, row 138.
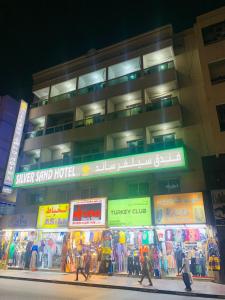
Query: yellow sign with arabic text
column 53, row 216
column 187, row 208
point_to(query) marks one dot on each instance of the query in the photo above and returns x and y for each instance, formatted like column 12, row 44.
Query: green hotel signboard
column 150, row 161
column 132, row 212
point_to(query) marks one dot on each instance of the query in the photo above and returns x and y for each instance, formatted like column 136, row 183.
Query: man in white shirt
column 186, row 272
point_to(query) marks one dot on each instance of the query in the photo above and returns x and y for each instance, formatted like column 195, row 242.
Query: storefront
column 52, row 234
column 132, row 233
column 5, row 239
column 181, row 228
column 87, row 224
column 17, row 237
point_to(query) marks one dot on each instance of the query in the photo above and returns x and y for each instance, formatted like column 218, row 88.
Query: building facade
column 117, row 138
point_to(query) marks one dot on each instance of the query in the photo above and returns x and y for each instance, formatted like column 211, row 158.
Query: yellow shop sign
column 53, row 216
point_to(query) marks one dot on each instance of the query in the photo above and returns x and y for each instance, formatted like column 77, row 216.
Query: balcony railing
column 95, row 87
column 102, row 118
column 71, row 159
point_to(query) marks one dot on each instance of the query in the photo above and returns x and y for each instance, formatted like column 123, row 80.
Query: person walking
column 186, row 274
column 80, row 266
column 87, row 264
column 145, row 270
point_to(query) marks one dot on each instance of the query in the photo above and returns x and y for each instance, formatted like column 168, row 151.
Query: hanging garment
column 161, row 235
column 145, row 238
column 151, row 236
column 131, row 237
column 139, row 238
column 197, row 235
column 187, row 235
column 122, row 237
column 214, row 263
column 87, row 237
column 178, row 236
column 33, row 261
column 169, row 235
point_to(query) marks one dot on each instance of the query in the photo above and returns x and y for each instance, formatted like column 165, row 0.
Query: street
column 16, row 289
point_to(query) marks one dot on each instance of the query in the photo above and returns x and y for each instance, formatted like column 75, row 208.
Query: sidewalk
column 164, row 286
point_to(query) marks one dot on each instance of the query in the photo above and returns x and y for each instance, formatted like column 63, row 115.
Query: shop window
column 217, row 71
column 169, row 186
column 221, row 116
column 164, row 139
column 137, row 189
column 213, row 33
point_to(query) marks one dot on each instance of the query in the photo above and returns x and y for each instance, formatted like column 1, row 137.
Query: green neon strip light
column 150, row 161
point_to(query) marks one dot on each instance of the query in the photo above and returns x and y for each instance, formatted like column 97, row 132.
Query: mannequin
column 178, row 257
column 130, row 264
column 137, row 266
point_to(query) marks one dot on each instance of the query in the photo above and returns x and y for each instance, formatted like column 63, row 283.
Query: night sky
column 46, row 33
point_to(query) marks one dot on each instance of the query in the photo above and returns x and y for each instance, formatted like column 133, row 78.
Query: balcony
column 99, row 86
column 103, row 155
column 168, row 102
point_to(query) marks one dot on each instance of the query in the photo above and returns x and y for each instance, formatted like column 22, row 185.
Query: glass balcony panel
column 50, row 130
column 124, row 68
column 159, row 68
column 92, row 78
column 79, row 123
column 42, row 93
column 63, row 87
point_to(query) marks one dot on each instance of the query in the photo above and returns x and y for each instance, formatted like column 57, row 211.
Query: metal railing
column 75, row 159
column 98, row 86
column 89, row 121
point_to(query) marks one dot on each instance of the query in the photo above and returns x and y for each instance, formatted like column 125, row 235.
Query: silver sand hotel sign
column 151, row 161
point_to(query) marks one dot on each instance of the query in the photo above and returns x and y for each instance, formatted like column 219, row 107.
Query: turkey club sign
column 87, row 212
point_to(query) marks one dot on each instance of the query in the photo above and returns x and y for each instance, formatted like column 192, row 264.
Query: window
column 213, row 33
column 164, row 139
column 89, row 192
column 135, row 143
column 63, row 87
column 169, row 186
column 42, row 93
column 37, row 197
column 138, row 189
column 221, row 116
column 124, row 68
column 92, row 78
column 217, row 71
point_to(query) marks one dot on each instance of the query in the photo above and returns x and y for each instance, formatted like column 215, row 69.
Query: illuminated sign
column 53, row 216
column 151, row 161
column 129, row 212
column 88, row 212
column 185, row 208
column 14, row 151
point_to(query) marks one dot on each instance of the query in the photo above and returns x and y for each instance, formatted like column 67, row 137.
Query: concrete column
column 46, row 155
column 110, row 106
column 109, row 143
column 79, row 114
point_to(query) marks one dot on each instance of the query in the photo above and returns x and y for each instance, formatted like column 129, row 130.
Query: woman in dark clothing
column 145, row 270
column 28, row 255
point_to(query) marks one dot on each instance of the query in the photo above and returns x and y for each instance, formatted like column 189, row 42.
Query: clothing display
column 194, row 243
column 5, row 238
column 18, row 255
column 95, row 242
column 49, row 252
